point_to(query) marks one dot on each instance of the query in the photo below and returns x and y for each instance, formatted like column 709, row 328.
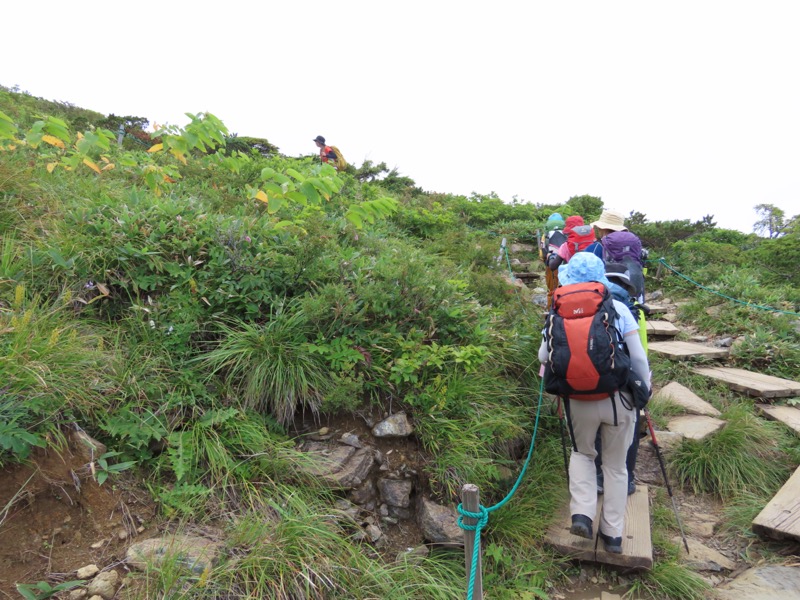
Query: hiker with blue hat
column 592, row 356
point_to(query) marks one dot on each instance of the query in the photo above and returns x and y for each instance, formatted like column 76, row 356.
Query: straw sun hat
column 611, row 219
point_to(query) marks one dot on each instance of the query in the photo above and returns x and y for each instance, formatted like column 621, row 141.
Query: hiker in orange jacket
column 326, row 153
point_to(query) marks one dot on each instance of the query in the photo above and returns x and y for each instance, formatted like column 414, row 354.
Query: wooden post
column 470, row 500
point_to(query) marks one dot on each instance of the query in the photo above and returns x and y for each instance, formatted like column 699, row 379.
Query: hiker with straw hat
column 621, row 246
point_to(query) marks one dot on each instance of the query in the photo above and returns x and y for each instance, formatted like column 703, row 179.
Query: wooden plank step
column 686, row 399
column 527, row 275
column 656, row 309
column 695, row 427
column 663, row 328
column 684, row 350
column 788, row 415
column 781, row 516
column 753, row 384
column 559, row 537
column 637, row 547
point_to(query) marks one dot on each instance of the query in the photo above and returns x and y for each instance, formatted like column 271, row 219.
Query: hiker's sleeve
column 639, row 362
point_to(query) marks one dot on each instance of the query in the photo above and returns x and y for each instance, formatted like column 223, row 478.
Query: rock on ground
column 763, row 583
column 340, row 466
column 105, row 585
column 195, row 553
column 396, row 492
column 87, row 571
column 439, row 523
column 703, row 558
column 85, row 447
column 396, row 426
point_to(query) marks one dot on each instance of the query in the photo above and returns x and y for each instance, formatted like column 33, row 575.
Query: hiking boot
column 631, row 487
column 582, row 527
column 612, row 545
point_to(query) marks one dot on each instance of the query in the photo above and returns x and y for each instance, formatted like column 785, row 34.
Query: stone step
column 695, row 427
column 686, row 399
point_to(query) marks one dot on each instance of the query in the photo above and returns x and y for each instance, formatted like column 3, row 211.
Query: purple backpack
column 622, row 247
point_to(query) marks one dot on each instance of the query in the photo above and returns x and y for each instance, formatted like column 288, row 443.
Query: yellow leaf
column 108, row 167
column 179, row 156
column 103, row 289
column 262, row 196
column 80, row 135
column 53, row 141
column 91, row 165
column 51, row 167
column 156, row 148
column 105, row 159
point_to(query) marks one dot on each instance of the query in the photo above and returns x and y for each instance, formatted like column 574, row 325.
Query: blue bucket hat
column 582, row 268
column 555, row 221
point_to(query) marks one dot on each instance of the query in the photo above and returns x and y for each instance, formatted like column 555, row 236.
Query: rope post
column 470, row 500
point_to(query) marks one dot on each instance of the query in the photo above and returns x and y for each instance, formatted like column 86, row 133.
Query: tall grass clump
column 52, row 369
column 271, row 364
column 744, row 455
column 670, row 579
column 296, row 547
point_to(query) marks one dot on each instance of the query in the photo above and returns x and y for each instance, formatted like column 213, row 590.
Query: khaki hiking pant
column 586, row 417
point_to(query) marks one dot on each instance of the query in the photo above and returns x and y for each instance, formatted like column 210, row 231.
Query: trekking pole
column 664, row 473
column 563, row 440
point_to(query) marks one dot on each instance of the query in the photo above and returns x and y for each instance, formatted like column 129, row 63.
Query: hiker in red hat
column 579, row 237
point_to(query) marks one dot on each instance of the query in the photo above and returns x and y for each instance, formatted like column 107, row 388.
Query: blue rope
column 701, row 286
column 482, row 515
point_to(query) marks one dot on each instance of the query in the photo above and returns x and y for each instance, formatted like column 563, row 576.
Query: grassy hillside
column 189, row 300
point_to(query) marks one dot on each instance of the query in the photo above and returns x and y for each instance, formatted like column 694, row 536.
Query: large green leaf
column 298, row 197
column 297, row 175
column 310, row 192
column 275, row 204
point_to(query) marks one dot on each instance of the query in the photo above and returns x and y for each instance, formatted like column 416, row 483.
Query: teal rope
column 701, row 286
column 482, row 516
column 508, row 262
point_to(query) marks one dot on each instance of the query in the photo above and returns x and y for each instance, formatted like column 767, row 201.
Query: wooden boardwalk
column 753, row 384
column 637, row 547
column 781, row 516
column 685, row 350
column 662, row 328
column 656, row 309
column 788, row 415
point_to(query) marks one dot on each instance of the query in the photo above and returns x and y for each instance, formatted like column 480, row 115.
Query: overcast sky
column 676, row 109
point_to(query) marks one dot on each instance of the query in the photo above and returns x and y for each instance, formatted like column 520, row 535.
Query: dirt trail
column 56, row 515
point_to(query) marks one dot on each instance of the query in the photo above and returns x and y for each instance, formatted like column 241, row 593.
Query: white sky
column 677, row 109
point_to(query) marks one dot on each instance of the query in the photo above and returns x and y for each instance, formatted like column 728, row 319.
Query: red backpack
column 587, row 359
column 579, row 238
